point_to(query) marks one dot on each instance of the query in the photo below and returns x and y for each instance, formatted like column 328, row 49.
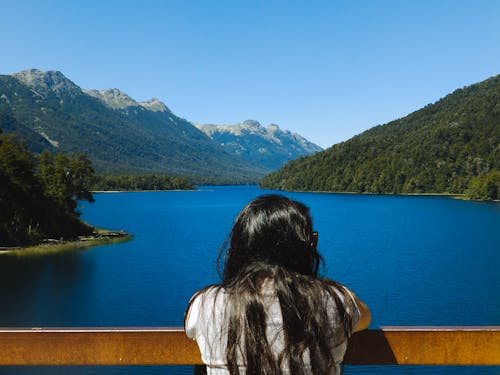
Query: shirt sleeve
column 192, row 317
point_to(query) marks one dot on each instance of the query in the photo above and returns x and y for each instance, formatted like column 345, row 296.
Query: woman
column 272, row 313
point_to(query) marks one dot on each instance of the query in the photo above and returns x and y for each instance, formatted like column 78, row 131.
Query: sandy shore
column 50, row 245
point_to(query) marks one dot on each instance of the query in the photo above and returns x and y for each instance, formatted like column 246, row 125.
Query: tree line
column 139, row 182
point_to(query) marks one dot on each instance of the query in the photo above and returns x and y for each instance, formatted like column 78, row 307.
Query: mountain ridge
column 117, row 99
column 270, row 146
column 46, row 82
column 131, row 139
column 120, row 134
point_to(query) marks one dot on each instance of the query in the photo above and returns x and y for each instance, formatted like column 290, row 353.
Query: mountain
column 270, row 147
column 437, row 149
column 116, row 99
column 9, row 124
column 119, row 134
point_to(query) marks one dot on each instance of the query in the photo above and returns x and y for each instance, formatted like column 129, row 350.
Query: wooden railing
column 162, row 346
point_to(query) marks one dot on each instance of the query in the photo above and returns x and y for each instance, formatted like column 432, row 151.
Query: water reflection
column 28, row 282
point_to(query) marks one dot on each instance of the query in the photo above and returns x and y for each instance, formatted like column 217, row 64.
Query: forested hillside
column 437, row 149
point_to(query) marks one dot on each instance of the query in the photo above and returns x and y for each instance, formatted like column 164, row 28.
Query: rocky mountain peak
column 251, row 124
column 113, row 98
column 270, row 146
column 117, row 99
column 46, row 81
column 116, row 94
column 155, row 105
column 273, row 128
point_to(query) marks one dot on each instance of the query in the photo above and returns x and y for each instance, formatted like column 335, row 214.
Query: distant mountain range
column 437, row 149
column 268, row 146
column 122, row 135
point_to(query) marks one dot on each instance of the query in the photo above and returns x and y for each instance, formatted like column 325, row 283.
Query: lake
column 413, row 260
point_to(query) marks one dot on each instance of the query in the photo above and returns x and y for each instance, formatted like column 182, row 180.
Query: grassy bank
column 52, row 246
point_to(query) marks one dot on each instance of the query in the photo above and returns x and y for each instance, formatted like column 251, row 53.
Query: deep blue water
column 413, row 260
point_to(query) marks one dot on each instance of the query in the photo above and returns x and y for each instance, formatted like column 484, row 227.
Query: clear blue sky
column 325, row 69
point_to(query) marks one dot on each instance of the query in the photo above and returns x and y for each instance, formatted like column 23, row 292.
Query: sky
column 327, row 70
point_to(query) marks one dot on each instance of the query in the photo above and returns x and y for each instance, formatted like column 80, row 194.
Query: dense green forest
column 452, row 146
column 484, row 187
column 39, row 194
column 139, row 182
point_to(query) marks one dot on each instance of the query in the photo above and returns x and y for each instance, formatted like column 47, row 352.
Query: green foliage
column 65, row 179
column 38, row 196
column 437, row 149
column 21, row 194
column 484, row 187
column 140, row 182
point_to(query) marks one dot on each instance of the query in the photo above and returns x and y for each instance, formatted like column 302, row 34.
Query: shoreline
column 140, row 191
column 451, row 195
column 457, row 196
column 443, row 195
column 52, row 246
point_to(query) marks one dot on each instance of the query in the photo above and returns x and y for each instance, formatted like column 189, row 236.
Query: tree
column 21, row 195
column 484, row 187
column 66, row 179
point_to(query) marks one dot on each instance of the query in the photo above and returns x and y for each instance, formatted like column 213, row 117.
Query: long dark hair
column 272, row 243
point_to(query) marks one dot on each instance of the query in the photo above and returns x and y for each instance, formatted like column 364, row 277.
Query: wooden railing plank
column 97, row 346
column 426, row 346
column 166, row 345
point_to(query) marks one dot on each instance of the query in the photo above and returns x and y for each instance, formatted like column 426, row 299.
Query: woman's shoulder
column 202, row 305
column 208, row 298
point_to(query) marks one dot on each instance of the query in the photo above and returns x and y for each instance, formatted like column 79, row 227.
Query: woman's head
column 272, row 230
column 273, row 238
